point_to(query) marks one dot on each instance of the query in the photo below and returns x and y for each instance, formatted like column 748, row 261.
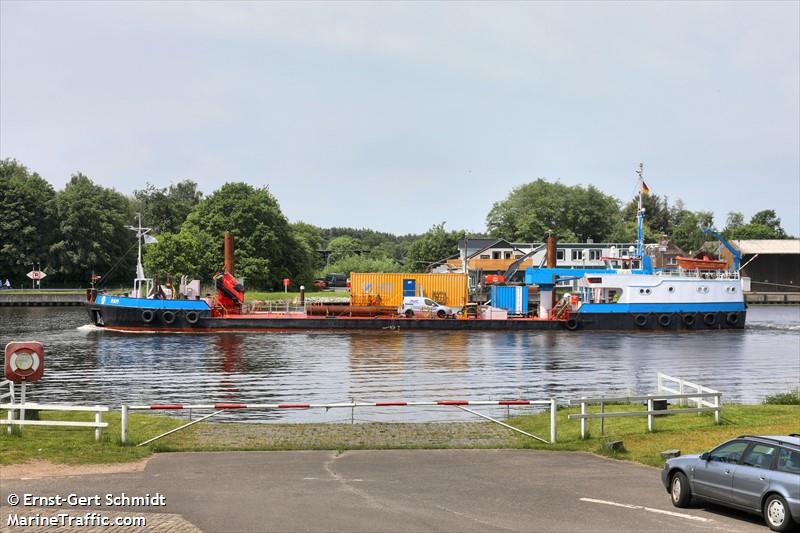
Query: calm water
column 88, row 366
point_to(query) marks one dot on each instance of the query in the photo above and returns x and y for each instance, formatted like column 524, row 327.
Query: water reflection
column 111, row 368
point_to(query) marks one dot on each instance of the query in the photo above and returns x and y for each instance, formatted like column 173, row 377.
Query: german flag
column 645, row 188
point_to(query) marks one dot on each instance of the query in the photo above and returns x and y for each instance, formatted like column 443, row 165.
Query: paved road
column 400, row 490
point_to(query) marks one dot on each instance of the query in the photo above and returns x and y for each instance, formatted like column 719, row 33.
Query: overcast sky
column 397, row 116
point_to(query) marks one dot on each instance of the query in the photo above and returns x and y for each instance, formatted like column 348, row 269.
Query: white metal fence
column 98, row 411
column 698, row 394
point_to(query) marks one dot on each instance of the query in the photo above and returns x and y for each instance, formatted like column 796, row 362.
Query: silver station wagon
column 755, row 474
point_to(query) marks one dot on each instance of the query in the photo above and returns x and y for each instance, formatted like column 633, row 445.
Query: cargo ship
column 628, row 294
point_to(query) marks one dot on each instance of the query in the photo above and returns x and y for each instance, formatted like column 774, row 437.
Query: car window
column 760, row 456
column 729, row 453
column 430, row 302
column 789, row 461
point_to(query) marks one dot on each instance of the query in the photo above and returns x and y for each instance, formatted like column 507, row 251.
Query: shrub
column 784, row 398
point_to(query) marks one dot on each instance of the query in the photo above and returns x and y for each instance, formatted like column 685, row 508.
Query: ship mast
column 140, row 277
column 640, row 215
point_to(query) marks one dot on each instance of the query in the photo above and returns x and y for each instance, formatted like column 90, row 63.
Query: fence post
column 699, row 401
column 650, row 417
column 553, row 421
column 682, row 401
column 583, row 420
column 716, row 411
column 124, row 425
column 98, row 419
column 10, row 416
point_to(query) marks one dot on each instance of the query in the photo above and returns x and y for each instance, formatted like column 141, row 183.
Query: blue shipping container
column 512, row 299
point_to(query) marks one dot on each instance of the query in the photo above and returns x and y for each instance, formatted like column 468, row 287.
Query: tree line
column 83, row 229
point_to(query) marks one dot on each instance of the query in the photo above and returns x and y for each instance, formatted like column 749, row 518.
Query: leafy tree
column 734, row 220
column 626, row 231
column 166, row 209
column 27, row 223
column 687, row 232
column 267, row 250
column 763, row 225
column 357, row 263
column 176, row 255
column 92, row 232
column 344, row 246
column 574, row 213
column 658, row 217
column 434, row 245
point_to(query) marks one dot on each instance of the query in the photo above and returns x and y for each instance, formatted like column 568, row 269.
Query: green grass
column 689, row 433
column 291, row 296
column 77, row 445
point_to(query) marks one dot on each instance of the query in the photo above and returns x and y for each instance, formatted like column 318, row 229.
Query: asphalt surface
column 398, row 490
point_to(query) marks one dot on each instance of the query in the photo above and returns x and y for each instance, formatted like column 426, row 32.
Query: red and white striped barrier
column 180, row 406
column 461, row 404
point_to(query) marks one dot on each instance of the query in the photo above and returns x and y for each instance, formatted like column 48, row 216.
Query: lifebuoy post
column 24, row 362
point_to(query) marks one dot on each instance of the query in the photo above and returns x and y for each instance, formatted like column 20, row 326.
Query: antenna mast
column 640, row 215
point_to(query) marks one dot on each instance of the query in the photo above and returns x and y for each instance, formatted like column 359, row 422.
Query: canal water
column 87, row 366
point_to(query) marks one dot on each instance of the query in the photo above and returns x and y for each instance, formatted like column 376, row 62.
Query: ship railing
column 700, row 274
column 277, row 308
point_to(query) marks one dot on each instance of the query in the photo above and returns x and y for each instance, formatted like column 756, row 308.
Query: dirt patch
column 40, row 469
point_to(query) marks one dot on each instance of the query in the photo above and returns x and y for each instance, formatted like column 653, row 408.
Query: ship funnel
column 551, row 251
column 229, row 264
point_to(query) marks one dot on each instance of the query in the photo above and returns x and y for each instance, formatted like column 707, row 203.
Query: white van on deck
column 423, row 307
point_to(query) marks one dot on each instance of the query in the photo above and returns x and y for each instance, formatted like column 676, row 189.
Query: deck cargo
column 389, row 289
column 513, row 299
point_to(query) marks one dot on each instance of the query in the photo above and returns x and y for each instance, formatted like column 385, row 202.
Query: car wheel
column 441, row 313
column 409, row 313
column 679, row 491
column 776, row 513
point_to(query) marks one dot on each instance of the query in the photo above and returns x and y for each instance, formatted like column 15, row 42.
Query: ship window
column 485, row 256
column 560, row 254
column 672, row 289
column 508, row 255
column 496, row 255
column 595, row 255
column 576, row 255
column 644, row 291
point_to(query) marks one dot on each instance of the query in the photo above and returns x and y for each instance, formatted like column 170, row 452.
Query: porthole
column 647, row 291
column 671, row 289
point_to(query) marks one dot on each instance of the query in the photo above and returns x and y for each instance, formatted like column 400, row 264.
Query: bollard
column 650, row 418
column 553, row 421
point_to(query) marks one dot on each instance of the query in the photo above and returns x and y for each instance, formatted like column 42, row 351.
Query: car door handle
column 727, row 472
column 762, row 478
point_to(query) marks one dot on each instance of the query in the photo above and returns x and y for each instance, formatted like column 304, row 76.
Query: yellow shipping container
column 371, row 288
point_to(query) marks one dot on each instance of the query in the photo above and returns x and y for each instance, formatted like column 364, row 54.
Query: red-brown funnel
column 551, row 251
column 229, row 262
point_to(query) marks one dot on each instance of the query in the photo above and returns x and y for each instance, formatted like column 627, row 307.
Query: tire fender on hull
column 168, row 317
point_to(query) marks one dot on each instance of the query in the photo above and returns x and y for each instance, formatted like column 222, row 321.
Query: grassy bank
column 689, row 433
column 292, row 296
